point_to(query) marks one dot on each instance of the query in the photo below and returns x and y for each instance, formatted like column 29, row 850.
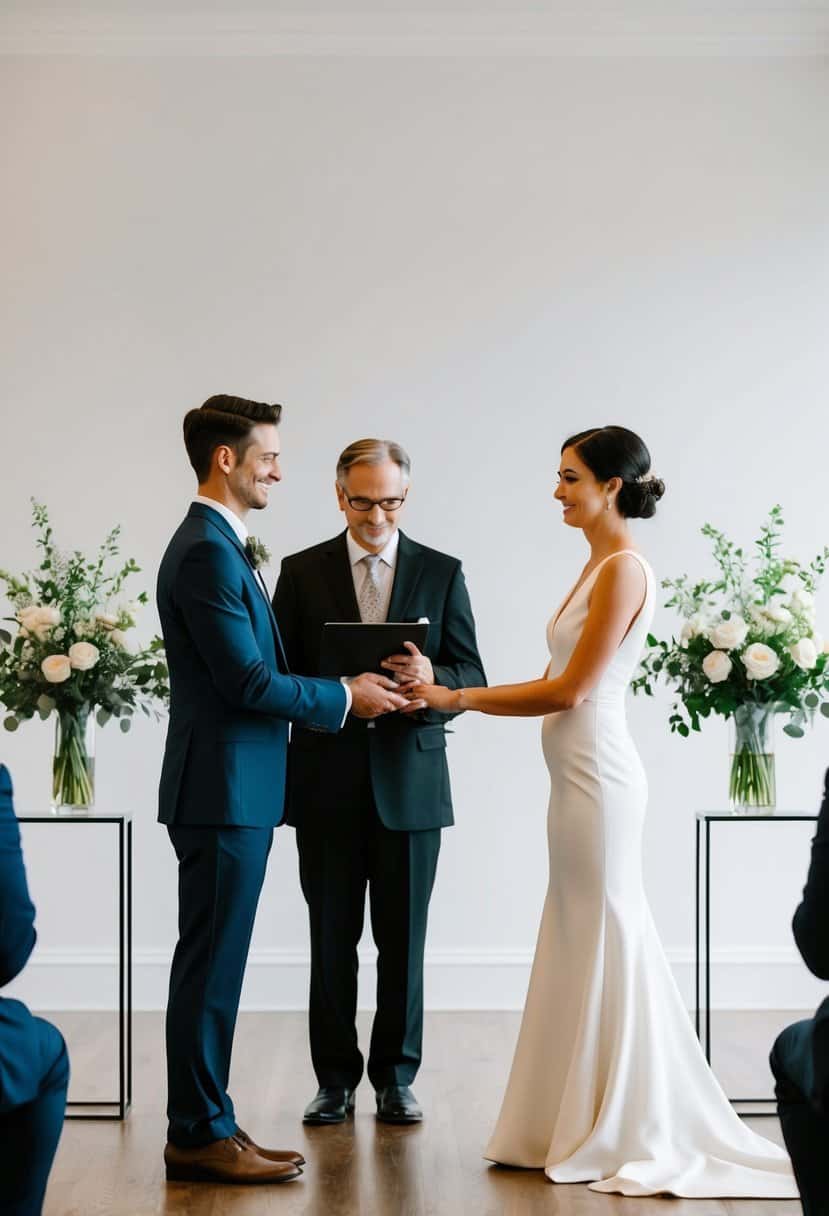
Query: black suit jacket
column 811, row 932
column 406, row 753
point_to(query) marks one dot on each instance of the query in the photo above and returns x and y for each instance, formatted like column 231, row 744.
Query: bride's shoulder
column 629, row 557
column 625, row 565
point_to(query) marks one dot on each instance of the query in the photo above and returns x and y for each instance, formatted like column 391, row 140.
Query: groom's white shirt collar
column 232, row 518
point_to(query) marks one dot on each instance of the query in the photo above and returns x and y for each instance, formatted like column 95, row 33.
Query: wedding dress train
column 609, row 1084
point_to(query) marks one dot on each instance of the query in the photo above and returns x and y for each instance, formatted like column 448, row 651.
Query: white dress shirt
column 385, row 568
column 240, row 529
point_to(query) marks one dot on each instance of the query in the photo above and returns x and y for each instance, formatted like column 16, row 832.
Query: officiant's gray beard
column 361, row 531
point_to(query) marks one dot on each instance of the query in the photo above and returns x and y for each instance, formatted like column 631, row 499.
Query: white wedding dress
column 609, row 1084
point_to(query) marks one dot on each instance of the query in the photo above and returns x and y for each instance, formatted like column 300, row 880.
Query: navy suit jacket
column 811, row 932
column 18, row 1084
column 232, row 695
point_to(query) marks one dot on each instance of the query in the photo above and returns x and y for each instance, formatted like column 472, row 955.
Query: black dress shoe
column 331, row 1105
column 397, row 1104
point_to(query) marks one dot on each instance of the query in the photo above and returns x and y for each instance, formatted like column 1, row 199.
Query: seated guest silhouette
column 34, row 1066
column 800, row 1057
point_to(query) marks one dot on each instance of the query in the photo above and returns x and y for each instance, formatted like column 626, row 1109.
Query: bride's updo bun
column 614, row 451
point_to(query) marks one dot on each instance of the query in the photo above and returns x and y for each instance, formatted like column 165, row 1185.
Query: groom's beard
column 254, row 496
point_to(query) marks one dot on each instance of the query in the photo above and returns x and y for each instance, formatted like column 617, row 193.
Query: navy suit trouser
column 805, row 1129
column 34, row 1077
column 221, row 870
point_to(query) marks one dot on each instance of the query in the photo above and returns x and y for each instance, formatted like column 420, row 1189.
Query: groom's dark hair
column 223, row 420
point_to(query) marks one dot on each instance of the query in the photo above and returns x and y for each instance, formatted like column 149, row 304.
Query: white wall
column 474, row 257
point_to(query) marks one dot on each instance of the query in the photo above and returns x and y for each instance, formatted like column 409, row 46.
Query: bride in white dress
column 609, row 1084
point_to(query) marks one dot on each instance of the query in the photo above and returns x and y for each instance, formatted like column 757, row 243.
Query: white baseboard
column 749, row 978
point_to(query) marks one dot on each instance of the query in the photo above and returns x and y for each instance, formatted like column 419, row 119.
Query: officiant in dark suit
column 800, row 1056
column 369, row 804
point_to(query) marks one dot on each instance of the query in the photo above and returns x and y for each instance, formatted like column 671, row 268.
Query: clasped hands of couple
column 410, row 687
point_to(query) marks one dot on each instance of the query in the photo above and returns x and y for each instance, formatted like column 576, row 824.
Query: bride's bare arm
column 617, row 597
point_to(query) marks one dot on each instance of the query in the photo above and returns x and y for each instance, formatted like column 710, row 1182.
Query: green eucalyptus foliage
column 82, row 596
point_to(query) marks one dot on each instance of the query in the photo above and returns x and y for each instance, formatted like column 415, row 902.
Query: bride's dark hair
column 614, row 451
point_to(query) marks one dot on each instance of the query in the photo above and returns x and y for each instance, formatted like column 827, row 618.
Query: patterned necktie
column 370, row 601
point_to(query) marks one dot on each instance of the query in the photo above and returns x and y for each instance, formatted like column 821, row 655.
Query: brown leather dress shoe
column 271, row 1154
column 229, row 1160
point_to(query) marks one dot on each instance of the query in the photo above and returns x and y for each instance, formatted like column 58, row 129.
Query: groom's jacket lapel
column 218, row 521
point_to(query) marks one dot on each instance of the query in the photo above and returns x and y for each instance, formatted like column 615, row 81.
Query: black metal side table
column 704, row 822
column 121, row 1105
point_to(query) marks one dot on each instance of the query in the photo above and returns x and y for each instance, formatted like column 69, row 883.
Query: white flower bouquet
column 748, row 649
column 74, row 655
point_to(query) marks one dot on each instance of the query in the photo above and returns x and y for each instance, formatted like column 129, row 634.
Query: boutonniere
column 258, row 552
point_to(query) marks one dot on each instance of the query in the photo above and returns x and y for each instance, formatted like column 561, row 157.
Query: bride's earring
column 608, row 504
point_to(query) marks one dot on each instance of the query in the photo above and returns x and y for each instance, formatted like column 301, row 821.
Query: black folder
column 350, row 647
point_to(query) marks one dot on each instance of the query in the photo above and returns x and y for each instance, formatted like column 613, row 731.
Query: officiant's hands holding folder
column 411, row 668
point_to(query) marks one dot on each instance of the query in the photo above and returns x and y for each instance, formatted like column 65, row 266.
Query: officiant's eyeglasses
column 385, row 504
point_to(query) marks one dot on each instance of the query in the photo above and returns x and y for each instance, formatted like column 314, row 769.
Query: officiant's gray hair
column 373, row 451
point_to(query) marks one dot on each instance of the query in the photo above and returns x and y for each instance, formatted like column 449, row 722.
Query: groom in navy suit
column 223, row 776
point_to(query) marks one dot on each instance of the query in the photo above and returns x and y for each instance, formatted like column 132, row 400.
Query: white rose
column 804, row 653
column 83, row 655
column 760, row 661
column 692, row 628
column 37, row 620
column 778, row 614
column 817, row 641
column 56, row 668
column 120, row 638
column 717, row 666
column 729, row 634
column 47, row 618
column 107, row 619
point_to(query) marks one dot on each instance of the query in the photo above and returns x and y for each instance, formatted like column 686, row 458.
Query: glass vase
column 73, row 763
column 751, row 787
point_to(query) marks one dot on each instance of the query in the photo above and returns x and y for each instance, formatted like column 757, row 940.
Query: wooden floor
column 361, row 1168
